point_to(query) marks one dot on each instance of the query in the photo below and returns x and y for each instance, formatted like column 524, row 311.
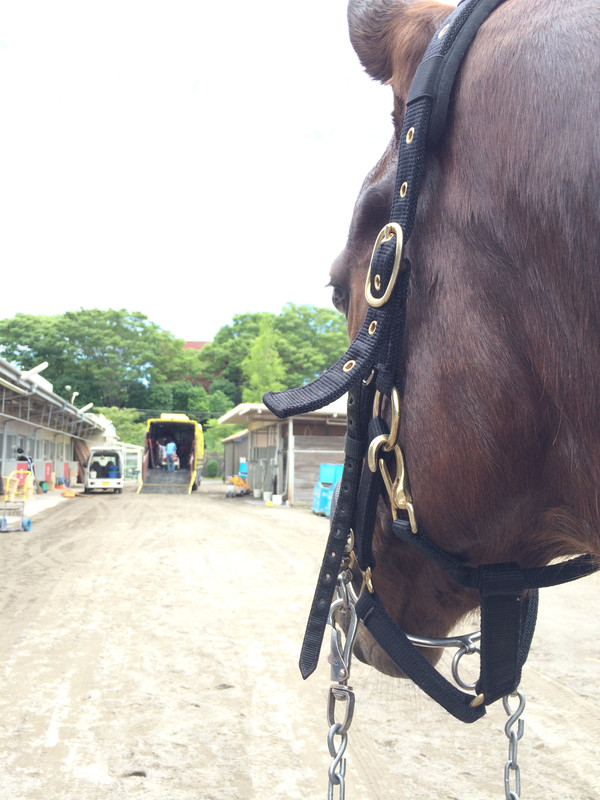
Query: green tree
column 137, row 395
column 228, row 388
column 223, row 357
column 262, row 368
column 219, row 403
column 183, row 395
column 214, row 434
column 309, row 340
column 101, row 354
column 160, row 398
column 129, row 426
column 198, row 403
column 120, row 358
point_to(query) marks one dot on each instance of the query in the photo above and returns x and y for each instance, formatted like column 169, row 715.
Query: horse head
column 500, row 413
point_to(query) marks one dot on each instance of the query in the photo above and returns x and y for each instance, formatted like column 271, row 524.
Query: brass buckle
column 385, row 234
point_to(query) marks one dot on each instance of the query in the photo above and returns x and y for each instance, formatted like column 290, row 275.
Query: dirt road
column 149, row 644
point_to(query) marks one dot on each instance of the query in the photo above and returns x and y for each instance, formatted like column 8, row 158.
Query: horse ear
column 390, row 36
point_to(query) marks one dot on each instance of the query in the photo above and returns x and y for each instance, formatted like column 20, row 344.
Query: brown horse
column 500, row 419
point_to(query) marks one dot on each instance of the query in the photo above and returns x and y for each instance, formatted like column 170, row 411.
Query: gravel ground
column 149, row 649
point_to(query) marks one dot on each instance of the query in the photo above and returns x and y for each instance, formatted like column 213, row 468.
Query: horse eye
column 339, row 298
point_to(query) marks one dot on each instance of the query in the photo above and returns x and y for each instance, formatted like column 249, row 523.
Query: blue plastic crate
column 330, row 473
column 318, row 499
column 322, row 494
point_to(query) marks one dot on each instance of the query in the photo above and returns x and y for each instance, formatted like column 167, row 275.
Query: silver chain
column 341, row 696
column 513, row 735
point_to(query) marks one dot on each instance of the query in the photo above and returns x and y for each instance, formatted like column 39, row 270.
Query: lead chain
column 341, row 696
column 512, row 765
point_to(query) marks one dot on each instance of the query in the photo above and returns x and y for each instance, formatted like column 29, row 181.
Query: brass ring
column 373, row 451
column 376, row 404
column 395, row 423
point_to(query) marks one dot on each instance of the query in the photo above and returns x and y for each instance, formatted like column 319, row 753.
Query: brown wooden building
column 284, row 456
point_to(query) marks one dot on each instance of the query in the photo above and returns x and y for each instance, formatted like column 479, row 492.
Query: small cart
column 12, row 508
column 12, row 517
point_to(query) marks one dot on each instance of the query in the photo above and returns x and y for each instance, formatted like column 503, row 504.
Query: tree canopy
column 101, row 354
column 122, row 360
column 263, row 365
column 306, row 339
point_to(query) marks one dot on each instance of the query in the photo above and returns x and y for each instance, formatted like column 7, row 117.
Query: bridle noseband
column 367, row 371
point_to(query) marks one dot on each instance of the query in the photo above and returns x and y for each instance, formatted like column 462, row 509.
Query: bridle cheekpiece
column 370, row 370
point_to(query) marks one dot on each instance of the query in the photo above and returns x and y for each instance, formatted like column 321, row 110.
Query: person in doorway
column 30, row 466
column 162, row 449
column 171, row 453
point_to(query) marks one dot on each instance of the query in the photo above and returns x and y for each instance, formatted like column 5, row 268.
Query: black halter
column 371, row 364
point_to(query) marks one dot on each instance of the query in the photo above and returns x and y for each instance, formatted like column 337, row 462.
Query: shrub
column 212, row 469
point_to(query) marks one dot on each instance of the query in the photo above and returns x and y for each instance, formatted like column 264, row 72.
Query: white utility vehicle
column 105, row 470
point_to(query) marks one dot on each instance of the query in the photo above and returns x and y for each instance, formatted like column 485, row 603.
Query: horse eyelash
column 342, row 304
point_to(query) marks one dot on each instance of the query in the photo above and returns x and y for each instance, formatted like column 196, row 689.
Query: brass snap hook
column 400, row 499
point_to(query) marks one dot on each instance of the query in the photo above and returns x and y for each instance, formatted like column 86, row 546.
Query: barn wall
column 310, row 453
column 234, row 450
column 284, row 456
column 52, row 453
column 264, row 447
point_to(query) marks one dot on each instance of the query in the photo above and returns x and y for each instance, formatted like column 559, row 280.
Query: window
column 11, row 446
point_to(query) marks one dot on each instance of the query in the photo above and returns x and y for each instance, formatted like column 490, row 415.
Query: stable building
column 38, row 424
column 235, row 452
column 284, row 456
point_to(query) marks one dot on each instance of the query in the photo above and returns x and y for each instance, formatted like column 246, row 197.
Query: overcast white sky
column 190, row 159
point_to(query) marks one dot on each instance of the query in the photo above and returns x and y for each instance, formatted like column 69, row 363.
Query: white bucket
column 257, row 493
column 267, row 495
column 277, row 499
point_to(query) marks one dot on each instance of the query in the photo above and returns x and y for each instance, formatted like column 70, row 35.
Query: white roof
column 246, row 412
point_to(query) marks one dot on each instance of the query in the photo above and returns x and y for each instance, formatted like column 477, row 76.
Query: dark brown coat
column 501, row 414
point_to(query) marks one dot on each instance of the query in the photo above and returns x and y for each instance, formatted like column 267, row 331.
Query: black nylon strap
column 502, row 676
column 357, row 362
column 405, row 655
column 389, row 369
column 436, row 73
column 359, row 405
column 508, row 614
column 500, row 672
column 446, row 52
column 497, row 578
column 366, row 508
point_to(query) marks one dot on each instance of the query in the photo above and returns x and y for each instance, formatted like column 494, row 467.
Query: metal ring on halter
column 466, row 644
column 455, row 662
column 373, row 452
column 392, row 437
